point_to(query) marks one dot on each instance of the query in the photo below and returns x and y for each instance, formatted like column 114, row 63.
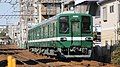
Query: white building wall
column 110, row 26
column 97, row 23
column 29, row 8
column 12, row 29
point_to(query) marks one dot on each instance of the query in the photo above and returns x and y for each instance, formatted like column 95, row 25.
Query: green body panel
column 76, row 43
column 87, row 44
column 63, row 44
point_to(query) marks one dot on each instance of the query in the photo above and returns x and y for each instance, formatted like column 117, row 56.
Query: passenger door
column 75, row 32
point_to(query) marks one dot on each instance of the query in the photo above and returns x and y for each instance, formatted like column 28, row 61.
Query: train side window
column 64, row 24
column 28, row 35
column 33, row 34
column 51, row 30
column 40, row 33
column 54, row 29
column 43, row 31
column 48, row 30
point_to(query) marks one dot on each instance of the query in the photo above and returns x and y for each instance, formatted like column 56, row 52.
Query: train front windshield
column 64, row 25
column 86, row 24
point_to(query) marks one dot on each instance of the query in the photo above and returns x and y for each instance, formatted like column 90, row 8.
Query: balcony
column 43, row 10
column 30, row 8
column 57, row 1
column 50, row 1
column 51, row 11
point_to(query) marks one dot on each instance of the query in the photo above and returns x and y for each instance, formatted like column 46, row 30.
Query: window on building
column 28, row 19
column 104, row 14
column 15, row 34
column 119, row 11
column 112, row 9
column 31, row 19
column 31, row 5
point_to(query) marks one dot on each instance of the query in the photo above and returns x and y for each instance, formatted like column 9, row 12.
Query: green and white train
column 67, row 35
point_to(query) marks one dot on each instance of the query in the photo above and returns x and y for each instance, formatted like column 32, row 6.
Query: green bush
column 116, row 56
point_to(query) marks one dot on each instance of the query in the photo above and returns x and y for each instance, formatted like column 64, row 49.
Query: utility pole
column 39, row 10
column 6, row 26
column 62, row 5
column 48, row 10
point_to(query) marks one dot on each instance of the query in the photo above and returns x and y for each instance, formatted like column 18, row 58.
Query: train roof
column 55, row 17
column 44, row 21
column 72, row 12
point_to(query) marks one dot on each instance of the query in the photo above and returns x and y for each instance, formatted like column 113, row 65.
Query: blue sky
column 8, row 9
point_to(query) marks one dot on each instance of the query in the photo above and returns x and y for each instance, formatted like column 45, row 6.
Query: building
column 23, row 23
column 110, row 21
column 33, row 12
column 13, row 33
column 28, row 14
column 2, row 27
column 4, row 34
column 87, row 6
column 49, row 8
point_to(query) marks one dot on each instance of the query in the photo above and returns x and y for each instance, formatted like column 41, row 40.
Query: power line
column 18, row 15
column 5, row 1
column 5, row 16
column 10, row 1
column 5, row 13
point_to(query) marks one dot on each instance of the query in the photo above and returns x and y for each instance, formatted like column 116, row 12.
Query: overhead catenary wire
column 10, row 13
column 10, row 1
column 18, row 15
column 6, row 12
column 4, row 15
column 5, row 1
column 13, row 5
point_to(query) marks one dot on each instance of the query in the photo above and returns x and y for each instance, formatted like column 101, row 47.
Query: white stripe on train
column 64, row 38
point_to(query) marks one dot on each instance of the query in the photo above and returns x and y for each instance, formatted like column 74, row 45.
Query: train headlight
column 88, row 38
column 63, row 39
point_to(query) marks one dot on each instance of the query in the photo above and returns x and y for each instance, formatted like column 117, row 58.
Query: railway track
column 21, row 58
column 27, row 59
